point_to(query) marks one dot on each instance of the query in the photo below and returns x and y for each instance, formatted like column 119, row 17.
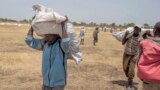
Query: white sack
column 120, row 35
column 47, row 27
column 74, row 50
column 46, row 21
column 144, row 30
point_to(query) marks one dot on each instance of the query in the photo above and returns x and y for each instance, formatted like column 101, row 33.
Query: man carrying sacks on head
column 130, row 53
column 55, row 47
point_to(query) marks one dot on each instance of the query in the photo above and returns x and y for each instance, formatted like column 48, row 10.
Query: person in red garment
column 149, row 60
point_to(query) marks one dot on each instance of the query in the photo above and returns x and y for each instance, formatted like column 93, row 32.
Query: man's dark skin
column 128, row 58
column 135, row 34
column 146, row 34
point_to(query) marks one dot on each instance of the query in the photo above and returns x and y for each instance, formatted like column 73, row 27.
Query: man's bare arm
column 124, row 40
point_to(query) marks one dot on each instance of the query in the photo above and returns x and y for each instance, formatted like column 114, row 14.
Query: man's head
column 66, row 18
column 136, row 31
column 50, row 38
column 156, row 29
column 146, row 33
column 97, row 28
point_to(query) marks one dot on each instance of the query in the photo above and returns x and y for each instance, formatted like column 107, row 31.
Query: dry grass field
column 101, row 69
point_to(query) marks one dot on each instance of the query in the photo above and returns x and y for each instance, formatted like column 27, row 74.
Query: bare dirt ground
column 101, row 69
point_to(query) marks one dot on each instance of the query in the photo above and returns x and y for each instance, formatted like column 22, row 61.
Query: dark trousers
column 52, row 88
column 82, row 41
column 128, row 67
column 95, row 40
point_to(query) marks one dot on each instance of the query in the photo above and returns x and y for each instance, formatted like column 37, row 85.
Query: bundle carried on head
column 120, row 35
column 46, row 21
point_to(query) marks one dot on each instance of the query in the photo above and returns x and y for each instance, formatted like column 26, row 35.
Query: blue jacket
column 53, row 61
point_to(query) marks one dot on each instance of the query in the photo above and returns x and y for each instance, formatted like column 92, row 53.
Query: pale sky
column 99, row 11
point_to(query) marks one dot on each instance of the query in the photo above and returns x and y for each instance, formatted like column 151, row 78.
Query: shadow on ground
column 124, row 83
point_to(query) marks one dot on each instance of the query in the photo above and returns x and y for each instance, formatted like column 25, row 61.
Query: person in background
column 130, row 52
column 111, row 30
column 54, row 59
column 82, row 35
column 146, row 34
column 149, row 60
column 95, row 36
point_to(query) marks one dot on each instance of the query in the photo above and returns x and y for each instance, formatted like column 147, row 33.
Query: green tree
column 129, row 25
column 75, row 23
column 24, row 21
column 83, row 23
column 145, row 25
column 113, row 25
column 92, row 24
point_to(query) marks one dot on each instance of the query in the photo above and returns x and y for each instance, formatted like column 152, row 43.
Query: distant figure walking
column 95, row 36
column 82, row 35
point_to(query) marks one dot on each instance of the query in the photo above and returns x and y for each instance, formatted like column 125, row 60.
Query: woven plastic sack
column 74, row 50
column 46, row 21
column 120, row 35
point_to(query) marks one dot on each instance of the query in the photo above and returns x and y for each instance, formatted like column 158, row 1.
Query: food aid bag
column 74, row 50
column 46, row 21
column 143, row 31
column 47, row 27
column 120, row 35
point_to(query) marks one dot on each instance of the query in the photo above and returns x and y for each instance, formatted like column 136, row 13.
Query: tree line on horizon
column 91, row 24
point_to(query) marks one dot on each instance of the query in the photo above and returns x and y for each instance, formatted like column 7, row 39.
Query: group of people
column 145, row 52
column 83, row 33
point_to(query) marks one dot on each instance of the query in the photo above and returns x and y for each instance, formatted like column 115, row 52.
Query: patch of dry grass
column 101, row 69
